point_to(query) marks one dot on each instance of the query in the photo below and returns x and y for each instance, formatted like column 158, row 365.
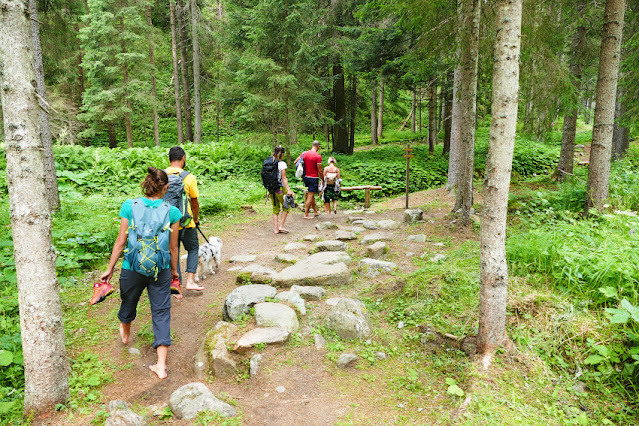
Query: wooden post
column 407, row 154
column 367, row 198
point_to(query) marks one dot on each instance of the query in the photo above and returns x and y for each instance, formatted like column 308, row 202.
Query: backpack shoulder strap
column 183, row 174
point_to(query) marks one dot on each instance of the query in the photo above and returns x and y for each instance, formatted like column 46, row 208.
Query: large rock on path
column 294, row 298
column 324, row 226
column 326, row 258
column 243, row 258
column 413, row 215
column 348, row 319
column 377, row 250
column 309, row 292
column 304, row 273
column 276, row 315
column 257, row 274
column 331, row 245
column 240, row 300
column 345, row 235
column 374, row 267
column 222, row 362
column 369, row 224
column 387, row 224
column 189, row 400
column 261, row 335
column 121, row 415
column 294, row 247
column 373, row 238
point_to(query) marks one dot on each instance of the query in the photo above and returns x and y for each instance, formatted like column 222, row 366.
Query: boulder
column 325, row 226
column 373, row 238
column 243, row 258
column 345, row 236
column 269, row 314
column 294, row 299
column 294, row 247
column 327, row 258
column 256, row 274
column 348, row 319
column 413, row 215
column 352, row 219
column 123, row 416
column 347, row 360
column 305, row 273
column 311, row 237
column 222, row 362
column 309, row 292
column 377, row 250
column 189, row 400
column 420, row 238
column 369, row 224
column 333, row 301
column 331, row 245
column 240, row 300
column 357, row 222
column 258, row 336
column 374, row 267
column 387, row 224
column 286, row 258
column 475, row 219
column 354, row 229
column 320, row 341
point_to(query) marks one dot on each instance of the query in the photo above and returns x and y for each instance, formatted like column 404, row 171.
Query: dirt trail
column 312, row 395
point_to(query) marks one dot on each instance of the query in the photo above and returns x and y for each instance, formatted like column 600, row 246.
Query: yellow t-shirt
column 190, row 186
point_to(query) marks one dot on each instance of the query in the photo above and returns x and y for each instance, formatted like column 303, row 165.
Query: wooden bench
column 367, row 196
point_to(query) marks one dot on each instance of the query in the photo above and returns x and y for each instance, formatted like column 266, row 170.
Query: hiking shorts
column 132, row 285
column 278, row 201
column 312, row 184
column 329, row 194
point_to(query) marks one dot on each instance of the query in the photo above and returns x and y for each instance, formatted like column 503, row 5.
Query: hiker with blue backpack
column 148, row 237
column 183, row 194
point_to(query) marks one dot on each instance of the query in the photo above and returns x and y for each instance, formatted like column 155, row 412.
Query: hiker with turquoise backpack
column 183, row 194
column 148, row 237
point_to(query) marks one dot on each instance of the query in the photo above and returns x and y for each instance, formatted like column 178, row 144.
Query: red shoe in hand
column 176, row 289
column 100, row 292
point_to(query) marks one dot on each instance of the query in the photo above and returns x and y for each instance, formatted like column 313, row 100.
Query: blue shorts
column 312, row 184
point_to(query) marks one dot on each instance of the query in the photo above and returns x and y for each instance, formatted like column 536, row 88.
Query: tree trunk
column 567, row 156
column 493, row 266
column 454, row 158
column 53, row 197
column 340, row 142
column 620, row 133
column 448, row 99
column 413, row 110
column 471, row 12
column 419, row 106
column 184, row 68
column 440, row 107
column 125, row 81
column 113, row 141
column 176, row 82
column 80, row 71
column 599, row 168
column 156, row 127
column 587, row 109
column 197, row 107
column 432, row 116
column 351, row 142
column 42, row 330
column 380, row 110
column 374, row 139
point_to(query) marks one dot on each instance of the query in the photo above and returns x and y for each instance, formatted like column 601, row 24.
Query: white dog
column 207, row 254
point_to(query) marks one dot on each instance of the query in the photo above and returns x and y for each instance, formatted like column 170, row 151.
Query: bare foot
column 283, row 231
column 276, row 232
column 178, row 296
column 308, row 217
column 160, row 372
column 125, row 333
column 194, row 287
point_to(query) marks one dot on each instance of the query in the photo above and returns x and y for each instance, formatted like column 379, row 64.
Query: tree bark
column 493, row 266
column 620, row 133
column 567, row 156
column 113, row 141
column 42, row 330
column 351, row 142
column 380, row 110
column 340, row 140
column 156, row 120
column 448, row 99
column 125, row 81
column 53, row 196
column 184, row 68
column 454, row 157
column 599, row 168
column 471, row 12
column 413, row 109
column 197, row 99
column 176, row 81
column 374, row 139
column 432, row 116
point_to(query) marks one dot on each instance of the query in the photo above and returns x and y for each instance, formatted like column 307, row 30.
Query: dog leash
column 197, row 225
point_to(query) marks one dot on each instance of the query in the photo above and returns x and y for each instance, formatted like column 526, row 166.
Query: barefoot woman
column 132, row 283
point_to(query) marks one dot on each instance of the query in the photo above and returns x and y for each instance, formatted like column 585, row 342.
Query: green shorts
column 329, row 194
column 278, row 201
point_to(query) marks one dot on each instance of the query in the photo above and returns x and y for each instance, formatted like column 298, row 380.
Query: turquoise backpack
column 148, row 241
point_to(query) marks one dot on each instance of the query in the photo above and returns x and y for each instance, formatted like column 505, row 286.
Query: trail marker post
column 408, row 154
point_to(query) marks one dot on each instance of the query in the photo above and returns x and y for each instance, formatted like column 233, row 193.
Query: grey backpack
column 176, row 196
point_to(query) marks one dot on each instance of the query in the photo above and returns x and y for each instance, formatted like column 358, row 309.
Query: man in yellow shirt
column 188, row 234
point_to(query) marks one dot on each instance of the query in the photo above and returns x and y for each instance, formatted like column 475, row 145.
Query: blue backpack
column 148, row 241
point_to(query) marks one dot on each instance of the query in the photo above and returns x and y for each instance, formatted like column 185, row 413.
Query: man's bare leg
column 276, row 228
column 159, row 368
column 307, row 204
column 283, row 221
column 125, row 332
column 190, row 282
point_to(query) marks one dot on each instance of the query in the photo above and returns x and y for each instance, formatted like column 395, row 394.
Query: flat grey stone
column 258, row 336
column 326, row 258
column 331, row 245
column 311, row 237
column 125, row 417
column 373, row 238
column 286, row 258
column 413, row 215
column 189, row 400
column 269, row 314
column 380, row 356
column 235, row 268
column 370, row 224
column 325, row 226
column 280, row 389
column 387, row 224
column 358, row 222
column 354, row 229
column 369, row 212
column 348, row 319
column 333, row 301
column 255, row 273
column 294, row 247
column 240, row 300
column 254, row 364
column 375, row 267
column 420, row 238
column 438, row 258
column 309, row 292
column 352, row 219
column 294, row 298
column 320, row 341
column 118, row 404
column 134, row 351
column 321, row 269
column 243, row 258
column 201, row 363
column 377, row 250
column 438, row 244
column 347, row 360
column 345, row 236
column 222, row 362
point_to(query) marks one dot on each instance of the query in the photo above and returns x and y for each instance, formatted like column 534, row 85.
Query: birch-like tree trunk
column 197, row 97
column 125, row 81
column 471, row 12
column 374, row 139
column 567, row 156
column 380, row 110
column 154, row 94
column 448, row 100
column 413, row 108
column 455, row 126
column 184, row 69
column 53, row 196
column 42, row 330
column 432, row 116
column 599, row 168
column 493, row 266
column 176, row 81
column 351, row 135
